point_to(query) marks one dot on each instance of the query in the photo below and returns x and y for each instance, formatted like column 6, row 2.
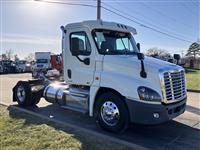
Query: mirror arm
column 83, row 61
column 143, row 73
column 79, row 59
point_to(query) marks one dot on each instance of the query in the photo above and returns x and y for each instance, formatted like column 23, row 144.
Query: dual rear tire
column 23, row 94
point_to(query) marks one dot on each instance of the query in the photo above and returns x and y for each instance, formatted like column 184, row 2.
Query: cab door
column 78, row 71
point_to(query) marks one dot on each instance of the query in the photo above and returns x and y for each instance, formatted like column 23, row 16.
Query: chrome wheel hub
column 21, row 93
column 110, row 113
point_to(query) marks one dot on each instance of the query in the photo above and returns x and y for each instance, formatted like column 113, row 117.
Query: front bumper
column 143, row 113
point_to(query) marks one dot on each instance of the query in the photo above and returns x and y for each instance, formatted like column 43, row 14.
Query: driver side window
column 80, row 42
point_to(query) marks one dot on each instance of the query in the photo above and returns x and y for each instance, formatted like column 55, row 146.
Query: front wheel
column 111, row 112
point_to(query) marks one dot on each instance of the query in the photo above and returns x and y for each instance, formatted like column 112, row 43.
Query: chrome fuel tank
column 67, row 96
column 54, row 93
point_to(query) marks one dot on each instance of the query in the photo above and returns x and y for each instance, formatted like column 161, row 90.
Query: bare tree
column 155, row 52
column 4, row 57
column 16, row 58
column 30, row 57
column 9, row 54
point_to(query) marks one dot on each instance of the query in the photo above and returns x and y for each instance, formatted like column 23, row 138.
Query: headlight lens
column 148, row 94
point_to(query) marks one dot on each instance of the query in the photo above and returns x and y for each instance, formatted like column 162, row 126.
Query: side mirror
column 86, row 61
column 138, row 46
column 177, row 57
column 143, row 73
column 140, row 56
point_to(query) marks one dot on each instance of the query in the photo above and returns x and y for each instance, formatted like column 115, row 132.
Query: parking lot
column 180, row 133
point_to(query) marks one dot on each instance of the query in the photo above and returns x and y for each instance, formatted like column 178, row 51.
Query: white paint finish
column 123, row 74
column 93, row 92
column 42, row 55
column 119, row 72
column 81, row 74
column 98, row 24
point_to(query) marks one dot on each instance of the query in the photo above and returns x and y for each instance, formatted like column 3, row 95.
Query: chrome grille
column 174, row 83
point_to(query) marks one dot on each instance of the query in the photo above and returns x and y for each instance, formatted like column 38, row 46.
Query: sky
column 28, row 26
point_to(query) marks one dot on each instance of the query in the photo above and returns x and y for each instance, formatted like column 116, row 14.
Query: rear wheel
column 36, row 97
column 111, row 112
column 24, row 96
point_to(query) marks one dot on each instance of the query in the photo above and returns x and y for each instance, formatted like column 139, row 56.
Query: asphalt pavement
column 181, row 133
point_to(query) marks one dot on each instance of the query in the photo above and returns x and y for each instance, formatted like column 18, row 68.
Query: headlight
column 148, row 94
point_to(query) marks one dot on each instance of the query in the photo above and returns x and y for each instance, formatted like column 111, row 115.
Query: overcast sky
column 28, row 26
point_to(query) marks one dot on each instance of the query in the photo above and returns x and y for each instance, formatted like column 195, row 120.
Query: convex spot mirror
column 140, row 56
column 86, row 61
column 177, row 56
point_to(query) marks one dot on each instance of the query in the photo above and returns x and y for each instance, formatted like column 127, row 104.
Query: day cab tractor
column 47, row 64
column 106, row 77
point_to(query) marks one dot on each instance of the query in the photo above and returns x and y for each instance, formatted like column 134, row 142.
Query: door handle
column 69, row 73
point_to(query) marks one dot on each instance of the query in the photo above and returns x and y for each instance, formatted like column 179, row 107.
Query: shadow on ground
column 171, row 135
column 194, row 110
column 191, row 70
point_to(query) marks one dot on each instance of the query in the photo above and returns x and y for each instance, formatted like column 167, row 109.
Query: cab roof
column 99, row 24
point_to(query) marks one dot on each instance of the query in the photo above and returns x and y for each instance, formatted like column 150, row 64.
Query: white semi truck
column 108, row 78
column 42, row 64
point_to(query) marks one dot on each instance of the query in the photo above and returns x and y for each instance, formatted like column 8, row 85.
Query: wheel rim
column 21, row 94
column 110, row 113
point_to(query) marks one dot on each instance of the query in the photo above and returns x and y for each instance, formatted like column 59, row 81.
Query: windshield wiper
column 126, row 51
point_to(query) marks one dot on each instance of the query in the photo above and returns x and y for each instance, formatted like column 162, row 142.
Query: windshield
column 41, row 61
column 7, row 62
column 114, row 42
column 22, row 62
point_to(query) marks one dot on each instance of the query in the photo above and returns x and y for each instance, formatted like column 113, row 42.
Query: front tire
column 111, row 112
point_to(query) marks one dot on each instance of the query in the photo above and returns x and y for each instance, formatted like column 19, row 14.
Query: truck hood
column 123, row 73
column 132, row 61
column 129, row 65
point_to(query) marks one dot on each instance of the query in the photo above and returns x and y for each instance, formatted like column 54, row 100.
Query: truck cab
column 108, row 78
column 42, row 64
column 56, row 62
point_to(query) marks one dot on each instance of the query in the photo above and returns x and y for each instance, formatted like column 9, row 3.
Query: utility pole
column 98, row 9
column 182, row 53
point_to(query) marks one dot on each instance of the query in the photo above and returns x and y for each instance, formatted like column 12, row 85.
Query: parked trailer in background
column 108, row 78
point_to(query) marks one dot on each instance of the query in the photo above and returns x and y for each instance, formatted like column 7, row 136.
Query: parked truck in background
column 56, row 62
column 42, row 63
column 108, row 78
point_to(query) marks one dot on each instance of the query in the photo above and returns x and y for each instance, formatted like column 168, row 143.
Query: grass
column 20, row 131
column 193, row 78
